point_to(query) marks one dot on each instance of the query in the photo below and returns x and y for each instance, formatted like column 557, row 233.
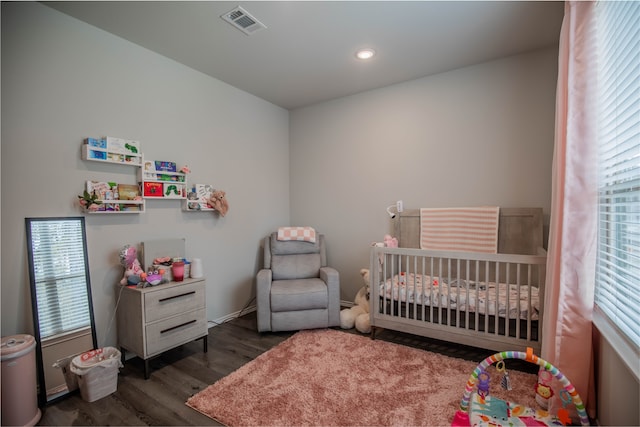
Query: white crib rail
column 453, row 310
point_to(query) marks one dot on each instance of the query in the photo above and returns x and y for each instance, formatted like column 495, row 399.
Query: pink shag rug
column 333, row 378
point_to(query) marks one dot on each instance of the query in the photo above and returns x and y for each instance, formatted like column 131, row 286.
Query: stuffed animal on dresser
column 133, row 273
column 358, row 315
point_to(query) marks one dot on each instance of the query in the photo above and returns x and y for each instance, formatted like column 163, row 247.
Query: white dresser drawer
column 155, row 319
column 175, row 300
column 175, row 331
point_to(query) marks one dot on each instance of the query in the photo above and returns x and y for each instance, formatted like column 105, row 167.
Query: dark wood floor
column 180, row 373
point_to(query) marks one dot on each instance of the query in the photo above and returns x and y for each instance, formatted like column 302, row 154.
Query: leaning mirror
column 61, row 300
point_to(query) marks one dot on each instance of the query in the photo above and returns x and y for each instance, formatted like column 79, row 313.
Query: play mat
column 477, row 408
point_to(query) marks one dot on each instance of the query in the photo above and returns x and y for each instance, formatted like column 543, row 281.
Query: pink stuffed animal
column 133, row 273
column 390, row 242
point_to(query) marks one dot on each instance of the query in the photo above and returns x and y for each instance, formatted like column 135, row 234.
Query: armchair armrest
column 263, row 299
column 332, row 278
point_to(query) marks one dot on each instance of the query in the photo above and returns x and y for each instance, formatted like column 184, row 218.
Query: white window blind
column 617, row 292
column 60, row 275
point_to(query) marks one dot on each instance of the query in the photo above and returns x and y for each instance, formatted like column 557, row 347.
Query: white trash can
column 97, row 372
column 19, row 383
column 70, row 378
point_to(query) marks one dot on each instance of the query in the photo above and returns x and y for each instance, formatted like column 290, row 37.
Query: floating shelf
column 197, row 197
column 185, row 208
column 101, row 155
column 162, row 184
column 127, row 204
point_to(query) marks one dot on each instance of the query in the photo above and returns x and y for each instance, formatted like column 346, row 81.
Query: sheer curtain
column 569, row 296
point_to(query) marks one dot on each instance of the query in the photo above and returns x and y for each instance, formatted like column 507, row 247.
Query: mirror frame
column 43, row 399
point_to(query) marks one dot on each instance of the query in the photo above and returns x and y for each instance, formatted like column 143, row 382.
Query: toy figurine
column 505, row 382
column 483, row 384
column 154, row 276
column 543, row 389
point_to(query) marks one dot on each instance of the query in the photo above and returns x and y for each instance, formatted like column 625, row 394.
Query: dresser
column 158, row 318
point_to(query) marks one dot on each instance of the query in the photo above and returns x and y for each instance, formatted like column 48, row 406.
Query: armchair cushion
column 301, row 266
column 301, row 294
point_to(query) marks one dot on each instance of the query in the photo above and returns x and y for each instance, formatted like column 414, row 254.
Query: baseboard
column 220, row 320
column 230, row 316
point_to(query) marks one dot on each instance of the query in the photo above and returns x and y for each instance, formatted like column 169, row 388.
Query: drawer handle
column 176, row 296
column 178, row 326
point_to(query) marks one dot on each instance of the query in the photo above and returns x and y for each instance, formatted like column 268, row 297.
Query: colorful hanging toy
column 505, row 382
column 544, row 392
column 563, row 414
column 483, row 384
column 478, row 408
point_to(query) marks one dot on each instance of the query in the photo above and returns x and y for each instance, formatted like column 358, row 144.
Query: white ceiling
column 306, row 53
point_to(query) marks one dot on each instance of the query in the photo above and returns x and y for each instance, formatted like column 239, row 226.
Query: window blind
column 60, row 276
column 617, row 292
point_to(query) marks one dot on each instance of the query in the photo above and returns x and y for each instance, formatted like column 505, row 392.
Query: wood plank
column 520, row 230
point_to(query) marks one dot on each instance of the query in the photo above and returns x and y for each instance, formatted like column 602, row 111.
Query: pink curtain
column 569, row 296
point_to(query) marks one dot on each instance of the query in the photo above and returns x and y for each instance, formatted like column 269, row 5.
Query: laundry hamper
column 477, row 409
column 97, row 372
column 70, row 378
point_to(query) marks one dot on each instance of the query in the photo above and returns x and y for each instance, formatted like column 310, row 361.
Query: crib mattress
column 482, row 297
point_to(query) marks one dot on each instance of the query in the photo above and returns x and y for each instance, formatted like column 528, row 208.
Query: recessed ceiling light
column 365, row 53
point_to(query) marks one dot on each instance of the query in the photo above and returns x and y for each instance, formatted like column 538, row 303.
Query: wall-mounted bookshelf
column 161, row 180
column 112, row 150
column 115, row 198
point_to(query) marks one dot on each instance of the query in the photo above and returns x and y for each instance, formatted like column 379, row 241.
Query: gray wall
column 481, row 135
column 63, row 80
column 478, row 135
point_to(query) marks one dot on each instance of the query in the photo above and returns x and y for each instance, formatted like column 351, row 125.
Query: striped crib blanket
column 472, row 229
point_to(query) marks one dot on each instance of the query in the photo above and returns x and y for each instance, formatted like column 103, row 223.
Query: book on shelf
column 104, row 191
column 171, row 190
column 198, row 196
column 129, row 192
column 156, row 170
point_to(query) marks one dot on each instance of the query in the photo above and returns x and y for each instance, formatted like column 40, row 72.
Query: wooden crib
column 491, row 301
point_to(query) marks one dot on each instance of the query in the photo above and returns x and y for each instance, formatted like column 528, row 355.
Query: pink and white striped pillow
column 303, row 234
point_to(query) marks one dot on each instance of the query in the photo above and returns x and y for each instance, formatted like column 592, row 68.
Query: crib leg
column 373, row 332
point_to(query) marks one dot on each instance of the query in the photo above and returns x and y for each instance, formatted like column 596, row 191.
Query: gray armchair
column 295, row 289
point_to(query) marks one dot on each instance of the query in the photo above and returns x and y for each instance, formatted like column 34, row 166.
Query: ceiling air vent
column 242, row 20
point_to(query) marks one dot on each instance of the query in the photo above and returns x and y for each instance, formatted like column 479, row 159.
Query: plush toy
column 218, row 201
column 543, row 389
column 358, row 315
column 133, row 273
column 390, row 242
